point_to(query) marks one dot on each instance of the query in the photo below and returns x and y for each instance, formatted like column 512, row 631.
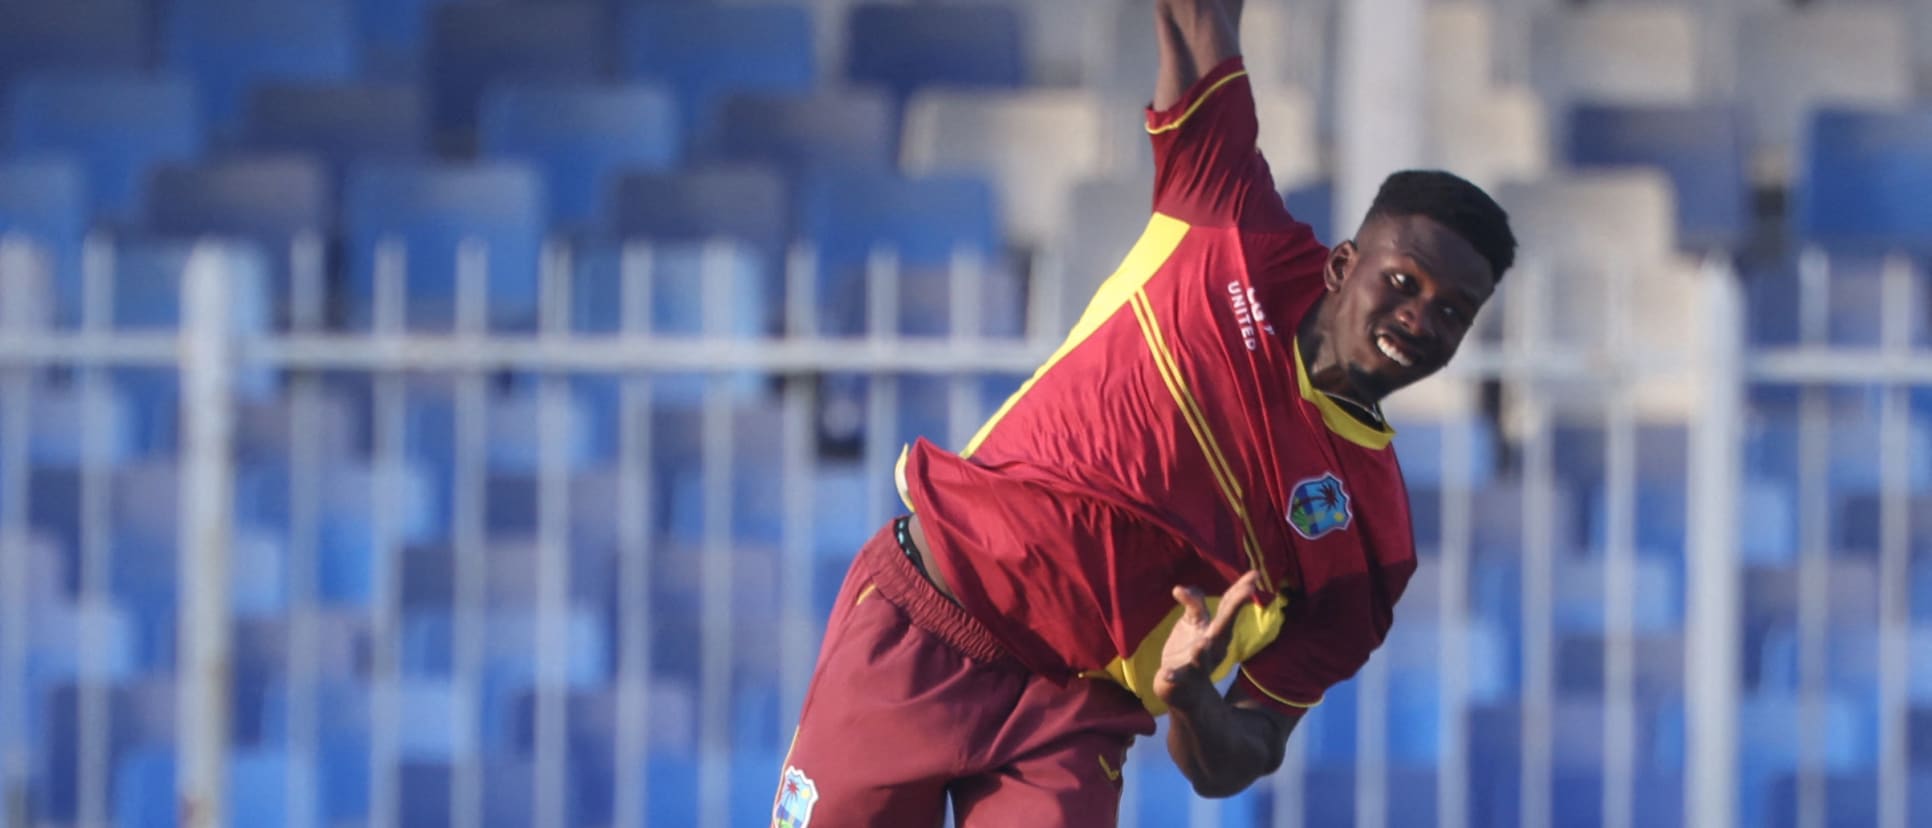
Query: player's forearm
column 1195, row 35
column 1220, row 748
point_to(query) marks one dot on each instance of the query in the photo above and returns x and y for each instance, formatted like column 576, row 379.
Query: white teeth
column 1389, row 349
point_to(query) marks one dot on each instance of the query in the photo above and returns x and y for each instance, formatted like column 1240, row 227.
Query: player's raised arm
column 1195, row 36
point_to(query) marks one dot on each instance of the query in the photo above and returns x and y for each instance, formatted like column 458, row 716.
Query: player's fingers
column 1239, row 594
column 1193, row 606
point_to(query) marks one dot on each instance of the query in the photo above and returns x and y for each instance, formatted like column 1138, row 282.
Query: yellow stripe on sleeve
column 1271, row 694
column 1197, row 104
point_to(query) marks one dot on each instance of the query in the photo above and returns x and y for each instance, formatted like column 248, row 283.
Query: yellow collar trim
column 1338, row 421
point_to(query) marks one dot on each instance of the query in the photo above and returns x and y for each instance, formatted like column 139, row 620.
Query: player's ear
column 1340, row 261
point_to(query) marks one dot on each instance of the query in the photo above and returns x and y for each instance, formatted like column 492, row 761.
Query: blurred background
column 421, row 413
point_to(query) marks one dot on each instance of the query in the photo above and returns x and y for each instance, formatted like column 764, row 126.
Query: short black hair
column 1454, row 203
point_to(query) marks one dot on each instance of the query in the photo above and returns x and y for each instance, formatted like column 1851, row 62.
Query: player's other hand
column 1198, row 642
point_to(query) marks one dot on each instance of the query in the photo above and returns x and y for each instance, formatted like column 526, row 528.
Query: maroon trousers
column 914, row 701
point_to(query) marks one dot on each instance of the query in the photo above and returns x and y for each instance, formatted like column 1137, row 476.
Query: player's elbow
column 1220, row 788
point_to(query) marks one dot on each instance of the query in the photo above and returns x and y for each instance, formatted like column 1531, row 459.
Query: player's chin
column 1387, row 377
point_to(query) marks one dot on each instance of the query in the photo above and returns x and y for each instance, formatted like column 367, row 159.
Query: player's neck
column 1326, row 372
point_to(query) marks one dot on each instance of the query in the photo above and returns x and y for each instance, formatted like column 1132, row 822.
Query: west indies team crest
column 796, row 796
column 1318, row 506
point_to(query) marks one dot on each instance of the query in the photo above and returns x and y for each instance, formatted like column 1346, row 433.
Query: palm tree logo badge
column 1319, row 506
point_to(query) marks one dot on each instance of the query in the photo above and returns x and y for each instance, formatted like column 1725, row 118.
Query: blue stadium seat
column 1701, row 148
column 432, row 210
column 757, row 499
column 260, row 563
column 341, row 124
column 265, row 432
column 78, row 36
column 515, row 439
column 44, row 200
column 1329, row 728
column 232, row 46
column 1420, row 444
column 925, row 221
column 1855, row 293
column 64, row 422
column 707, row 52
column 664, row 777
column 431, row 710
column 474, row 46
column 1768, row 746
column 508, row 792
column 341, row 711
column 258, row 788
column 1658, row 600
column 1863, row 184
column 844, row 130
column 517, row 431
column 747, row 203
column 55, row 653
column 144, row 786
column 392, row 36
column 1771, row 450
column 1328, row 796
column 53, row 513
column 1314, row 205
column 258, row 658
column 138, row 713
column 1659, row 513
column 144, row 789
column 1414, row 709
column 1165, row 795
column 509, row 669
column 347, row 548
column 50, row 571
column 120, row 127
column 269, row 199
column 685, row 278
column 1851, row 800
column 1414, row 650
column 147, row 284
column 581, row 138
column 905, row 48
column 1771, row 534
column 341, row 766
column 1658, row 656
column 838, row 527
column 1850, row 657
column 1497, row 512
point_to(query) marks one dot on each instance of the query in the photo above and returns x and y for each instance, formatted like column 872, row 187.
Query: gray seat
column 1790, row 63
column 1616, row 54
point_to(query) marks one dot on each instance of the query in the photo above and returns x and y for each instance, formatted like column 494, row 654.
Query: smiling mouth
column 1392, row 348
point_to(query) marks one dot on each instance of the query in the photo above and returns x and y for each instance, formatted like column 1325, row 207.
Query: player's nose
column 1419, row 328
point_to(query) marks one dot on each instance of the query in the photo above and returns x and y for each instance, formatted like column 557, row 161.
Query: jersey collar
column 1338, row 421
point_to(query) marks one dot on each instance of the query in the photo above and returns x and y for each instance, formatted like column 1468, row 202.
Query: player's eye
column 1453, row 314
column 1402, row 281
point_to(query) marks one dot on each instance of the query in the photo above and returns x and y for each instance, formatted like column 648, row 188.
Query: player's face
column 1408, row 291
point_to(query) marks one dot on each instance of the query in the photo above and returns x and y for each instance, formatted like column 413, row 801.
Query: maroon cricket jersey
column 1173, row 439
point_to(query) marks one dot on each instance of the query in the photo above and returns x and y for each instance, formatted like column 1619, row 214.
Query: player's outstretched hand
column 1198, row 642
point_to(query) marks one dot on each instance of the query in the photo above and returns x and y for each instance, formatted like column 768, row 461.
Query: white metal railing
column 208, row 356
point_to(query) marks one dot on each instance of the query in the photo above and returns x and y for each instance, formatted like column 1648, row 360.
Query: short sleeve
column 1321, row 644
column 1207, row 169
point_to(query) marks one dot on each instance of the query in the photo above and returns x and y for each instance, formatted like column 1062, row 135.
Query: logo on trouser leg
column 796, row 796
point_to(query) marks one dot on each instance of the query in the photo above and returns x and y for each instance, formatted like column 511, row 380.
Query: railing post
column 1712, row 628
column 207, row 501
